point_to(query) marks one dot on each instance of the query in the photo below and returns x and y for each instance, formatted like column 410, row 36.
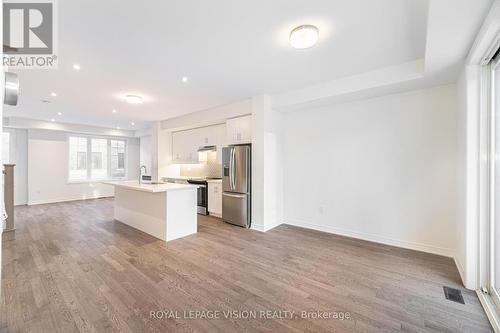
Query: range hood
column 207, row 148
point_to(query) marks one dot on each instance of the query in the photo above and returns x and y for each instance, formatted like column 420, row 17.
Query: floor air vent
column 453, row 294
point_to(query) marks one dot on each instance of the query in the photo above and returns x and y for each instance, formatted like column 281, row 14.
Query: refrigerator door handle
column 232, row 195
column 233, row 169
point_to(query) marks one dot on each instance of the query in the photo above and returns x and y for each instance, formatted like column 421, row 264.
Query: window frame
column 88, row 178
column 125, row 159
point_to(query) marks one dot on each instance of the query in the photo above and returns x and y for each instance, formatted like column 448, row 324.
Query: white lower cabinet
column 215, row 198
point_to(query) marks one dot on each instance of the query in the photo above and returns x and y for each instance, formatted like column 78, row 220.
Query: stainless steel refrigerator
column 236, row 185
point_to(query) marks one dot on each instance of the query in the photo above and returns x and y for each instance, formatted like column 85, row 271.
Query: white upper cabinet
column 239, row 130
column 185, row 144
column 219, row 132
column 211, row 135
column 184, row 147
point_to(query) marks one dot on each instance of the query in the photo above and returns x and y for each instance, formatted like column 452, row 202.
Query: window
column 77, row 158
column 99, row 165
column 81, row 160
column 117, row 158
column 93, row 158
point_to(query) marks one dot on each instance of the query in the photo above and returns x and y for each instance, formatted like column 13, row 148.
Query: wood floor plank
column 73, row 269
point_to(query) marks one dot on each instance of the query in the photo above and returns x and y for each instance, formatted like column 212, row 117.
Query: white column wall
column 267, row 166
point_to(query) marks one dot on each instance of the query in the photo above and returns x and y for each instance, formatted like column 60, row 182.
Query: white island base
column 165, row 211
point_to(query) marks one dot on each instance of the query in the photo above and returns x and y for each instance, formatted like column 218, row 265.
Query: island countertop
column 151, row 188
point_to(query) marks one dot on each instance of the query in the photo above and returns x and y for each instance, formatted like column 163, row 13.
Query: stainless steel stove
column 202, row 193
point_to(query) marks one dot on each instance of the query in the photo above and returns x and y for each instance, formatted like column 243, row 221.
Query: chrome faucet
column 140, row 172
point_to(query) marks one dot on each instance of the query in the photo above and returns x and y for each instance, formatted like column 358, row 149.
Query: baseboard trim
column 374, row 238
column 257, row 227
column 489, row 308
column 461, row 271
column 262, row 228
column 34, row 203
column 272, row 227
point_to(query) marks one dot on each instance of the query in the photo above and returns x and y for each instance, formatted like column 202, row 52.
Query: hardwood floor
column 72, row 268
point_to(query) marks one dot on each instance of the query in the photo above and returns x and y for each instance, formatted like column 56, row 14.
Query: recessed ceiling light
column 133, row 99
column 53, row 94
column 114, row 111
column 184, row 79
column 59, row 113
column 52, row 120
column 132, row 123
column 304, row 36
column 76, row 67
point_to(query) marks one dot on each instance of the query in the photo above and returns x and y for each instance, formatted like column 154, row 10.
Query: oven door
column 202, row 197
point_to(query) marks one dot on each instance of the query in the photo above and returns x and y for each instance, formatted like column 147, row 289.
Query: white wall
column 382, row 169
column 19, row 156
column 145, row 152
column 208, row 117
column 472, row 209
column 466, row 170
column 267, row 166
column 48, row 169
column 161, row 154
column 2, row 87
column 18, row 122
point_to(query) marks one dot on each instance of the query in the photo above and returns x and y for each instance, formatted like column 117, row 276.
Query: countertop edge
column 179, row 187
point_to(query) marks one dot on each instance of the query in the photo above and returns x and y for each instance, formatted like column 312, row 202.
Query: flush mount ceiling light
column 304, row 36
column 53, row 94
column 184, row 79
column 114, row 110
column 133, row 99
column 132, row 123
column 76, row 67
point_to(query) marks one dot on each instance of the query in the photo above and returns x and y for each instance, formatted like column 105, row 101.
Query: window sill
column 72, row 182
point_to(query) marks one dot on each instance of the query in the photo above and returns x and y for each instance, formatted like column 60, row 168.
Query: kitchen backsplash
column 210, row 169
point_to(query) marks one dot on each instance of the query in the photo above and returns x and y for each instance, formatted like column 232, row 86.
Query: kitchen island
column 165, row 211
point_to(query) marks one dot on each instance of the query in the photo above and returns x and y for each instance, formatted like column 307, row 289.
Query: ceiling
column 228, row 49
